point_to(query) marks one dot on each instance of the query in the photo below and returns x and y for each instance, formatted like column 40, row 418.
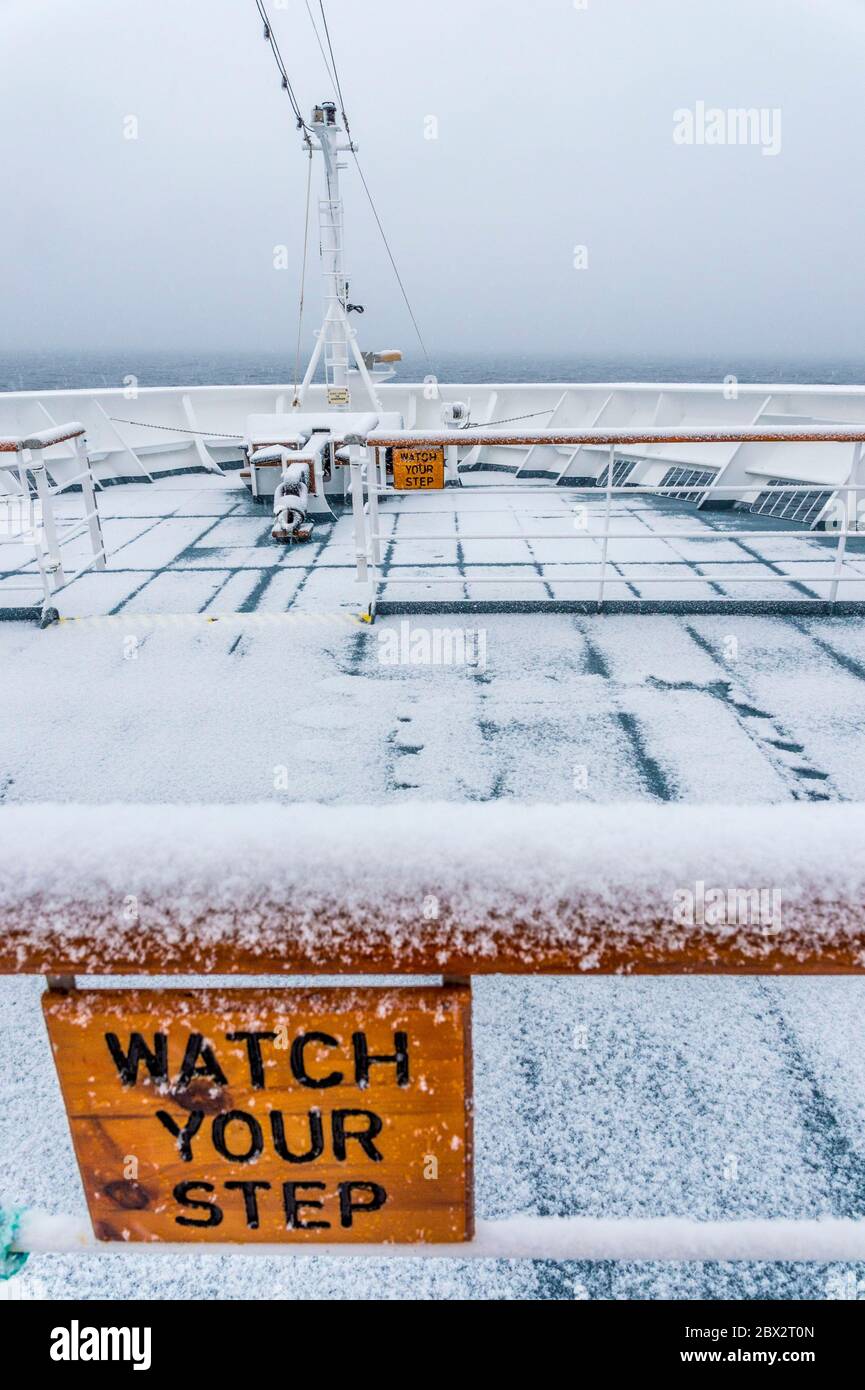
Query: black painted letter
column 183, row 1136
column 364, row 1059
column 253, row 1047
column 364, row 1137
column 316, row 1138
column 256, row 1138
column 127, row 1062
column 298, row 1065
column 195, row 1048
column 181, row 1195
column 293, row 1203
column 347, row 1204
column 250, row 1200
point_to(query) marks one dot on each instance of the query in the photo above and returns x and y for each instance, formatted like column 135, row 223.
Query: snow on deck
column 200, row 544
column 706, row 1098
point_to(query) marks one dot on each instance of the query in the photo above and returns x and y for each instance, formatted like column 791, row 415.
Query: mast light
column 324, row 113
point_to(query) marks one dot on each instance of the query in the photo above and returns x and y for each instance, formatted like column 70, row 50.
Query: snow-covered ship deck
column 200, row 618
column 726, row 708
column 710, row 1098
column 199, row 544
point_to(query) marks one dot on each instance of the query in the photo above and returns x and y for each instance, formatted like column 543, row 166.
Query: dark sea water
column 47, row 371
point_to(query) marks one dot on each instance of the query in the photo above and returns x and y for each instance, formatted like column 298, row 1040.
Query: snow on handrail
column 41, row 439
column 432, row 888
column 674, row 434
column 517, row 1238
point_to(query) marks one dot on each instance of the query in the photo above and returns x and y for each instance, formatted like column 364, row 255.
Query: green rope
column 11, row 1261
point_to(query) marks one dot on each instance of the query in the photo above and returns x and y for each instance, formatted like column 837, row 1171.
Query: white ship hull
column 159, row 431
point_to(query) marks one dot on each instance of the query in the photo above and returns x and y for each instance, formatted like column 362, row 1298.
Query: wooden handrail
column 454, row 890
column 41, row 439
column 287, row 950
column 481, row 434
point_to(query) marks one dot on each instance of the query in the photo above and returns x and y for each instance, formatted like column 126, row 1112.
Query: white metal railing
column 31, row 520
column 529, row 1237
column 369, row 484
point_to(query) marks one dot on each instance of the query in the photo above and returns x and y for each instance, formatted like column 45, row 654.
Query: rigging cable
column 488, row 424
column 274, row 47
column 216, row 434
column 333, row 65
column 174, row 429
column 301, row 125
column 331, row 75
column 366, row 188
column 302, row 277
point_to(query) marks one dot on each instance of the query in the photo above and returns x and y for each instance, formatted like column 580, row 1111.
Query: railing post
column 844, row 499
column 372, row 487
column 49, row 526
column 372, row 519
column 94, row 523
column 28, row 503
column 361, row 543
column 606, row 536
column 30, row 528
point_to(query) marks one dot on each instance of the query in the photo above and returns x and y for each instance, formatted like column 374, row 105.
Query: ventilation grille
column 803, row 505
column 690, row 481
column 622, row 470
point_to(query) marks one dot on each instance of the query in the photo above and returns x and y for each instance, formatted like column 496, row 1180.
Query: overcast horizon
column 564, row 206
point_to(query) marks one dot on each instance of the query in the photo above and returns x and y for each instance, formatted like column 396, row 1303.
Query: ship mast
column 336, row 340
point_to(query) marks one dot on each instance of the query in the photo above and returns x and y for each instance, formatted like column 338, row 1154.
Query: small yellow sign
column 416, row 469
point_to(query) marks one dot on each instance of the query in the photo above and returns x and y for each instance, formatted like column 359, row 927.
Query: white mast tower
column 336, row 338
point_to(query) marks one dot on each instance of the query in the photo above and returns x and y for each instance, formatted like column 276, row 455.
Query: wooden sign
column 415, row 469
column 270, row 1115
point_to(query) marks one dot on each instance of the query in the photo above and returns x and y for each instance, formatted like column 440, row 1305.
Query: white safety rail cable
column 512, row 1238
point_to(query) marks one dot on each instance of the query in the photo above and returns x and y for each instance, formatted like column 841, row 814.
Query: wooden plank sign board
column 270, row 1115
column 416, row 469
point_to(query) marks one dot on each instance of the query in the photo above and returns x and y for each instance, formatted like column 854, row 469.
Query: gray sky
column 555, row 130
